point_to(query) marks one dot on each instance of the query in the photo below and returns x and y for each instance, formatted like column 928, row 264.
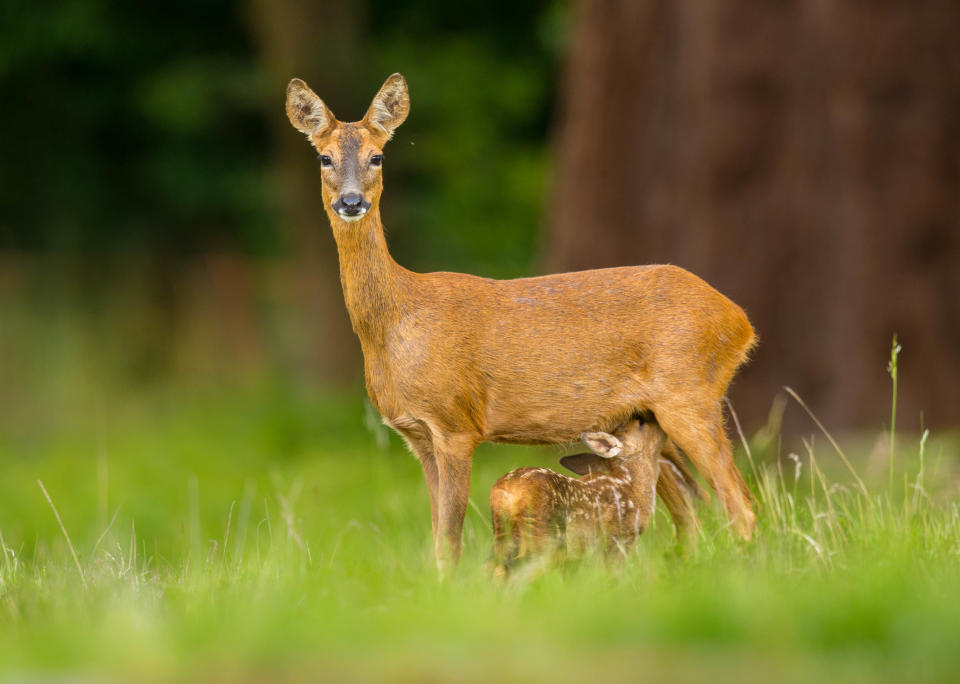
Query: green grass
column 258, row 533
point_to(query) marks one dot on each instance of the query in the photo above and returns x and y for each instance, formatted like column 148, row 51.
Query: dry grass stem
column 743, row 439
column 104, row 533
column 66, row 536
column 833, row 442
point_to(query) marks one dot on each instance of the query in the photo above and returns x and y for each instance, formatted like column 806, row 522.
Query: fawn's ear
column 390, row 107
column 602, row 444
column 584, row 464
column 305, row 110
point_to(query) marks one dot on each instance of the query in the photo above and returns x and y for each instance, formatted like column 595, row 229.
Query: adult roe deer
column 452, row 360
column 536, row 510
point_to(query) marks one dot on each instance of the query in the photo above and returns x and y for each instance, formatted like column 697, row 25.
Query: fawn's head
column 350, row 154
column 635, row 438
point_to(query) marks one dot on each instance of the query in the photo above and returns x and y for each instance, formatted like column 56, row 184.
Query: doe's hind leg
column 699, row 432
column 678, row 491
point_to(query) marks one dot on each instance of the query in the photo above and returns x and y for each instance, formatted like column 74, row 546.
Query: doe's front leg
column 421, row 445
column 454, row 457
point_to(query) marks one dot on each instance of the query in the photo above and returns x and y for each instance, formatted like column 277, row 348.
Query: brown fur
column 452, row 360
column 536, row 510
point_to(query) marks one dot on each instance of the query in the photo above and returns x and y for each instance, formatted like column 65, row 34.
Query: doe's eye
column 325, row 160
column 376, row 160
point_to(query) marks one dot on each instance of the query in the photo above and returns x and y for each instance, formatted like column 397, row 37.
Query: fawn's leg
column 699, row 432
column 506, row 540
column 538, row 536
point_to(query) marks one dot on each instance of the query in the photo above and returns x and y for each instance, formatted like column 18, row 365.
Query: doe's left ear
column 390, row 107
column 602, row 444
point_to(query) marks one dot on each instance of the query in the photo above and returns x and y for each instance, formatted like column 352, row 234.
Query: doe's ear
column 305, row 110
column 602, row 444
column 584, row 464
column 390, row 107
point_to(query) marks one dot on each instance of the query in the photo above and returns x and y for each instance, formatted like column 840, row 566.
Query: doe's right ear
column 306, row 111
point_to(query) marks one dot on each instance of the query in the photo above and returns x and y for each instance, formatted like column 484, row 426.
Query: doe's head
column 350, row 154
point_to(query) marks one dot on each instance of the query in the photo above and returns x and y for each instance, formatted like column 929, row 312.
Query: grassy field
column 260, row 533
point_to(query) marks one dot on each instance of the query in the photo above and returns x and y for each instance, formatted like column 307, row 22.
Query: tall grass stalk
column 892, row 370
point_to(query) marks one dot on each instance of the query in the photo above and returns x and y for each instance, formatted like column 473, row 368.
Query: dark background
column 160, row 221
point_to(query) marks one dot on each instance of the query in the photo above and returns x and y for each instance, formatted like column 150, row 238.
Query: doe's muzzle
column 351, row 205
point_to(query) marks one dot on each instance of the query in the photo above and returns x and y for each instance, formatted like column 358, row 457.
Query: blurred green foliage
column 467, row 188
column 128, row 125
column 146, row 126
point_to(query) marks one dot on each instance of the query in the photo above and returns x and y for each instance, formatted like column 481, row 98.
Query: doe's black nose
column 351, row 200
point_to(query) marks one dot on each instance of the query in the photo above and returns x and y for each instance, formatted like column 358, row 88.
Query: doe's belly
column 557, row 414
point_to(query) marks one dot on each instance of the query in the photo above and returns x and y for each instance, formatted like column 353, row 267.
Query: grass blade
column 66, row 536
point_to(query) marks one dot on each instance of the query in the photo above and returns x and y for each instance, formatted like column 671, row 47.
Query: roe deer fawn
column 536, row 510
column 452, row 360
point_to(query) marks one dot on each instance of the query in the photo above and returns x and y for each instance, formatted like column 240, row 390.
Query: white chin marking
column 351, row 219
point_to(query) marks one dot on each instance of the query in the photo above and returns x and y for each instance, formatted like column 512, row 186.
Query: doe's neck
column 370, row 277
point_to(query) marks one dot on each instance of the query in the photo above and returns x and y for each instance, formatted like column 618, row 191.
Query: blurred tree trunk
column 800, row 156
column 319, row 42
